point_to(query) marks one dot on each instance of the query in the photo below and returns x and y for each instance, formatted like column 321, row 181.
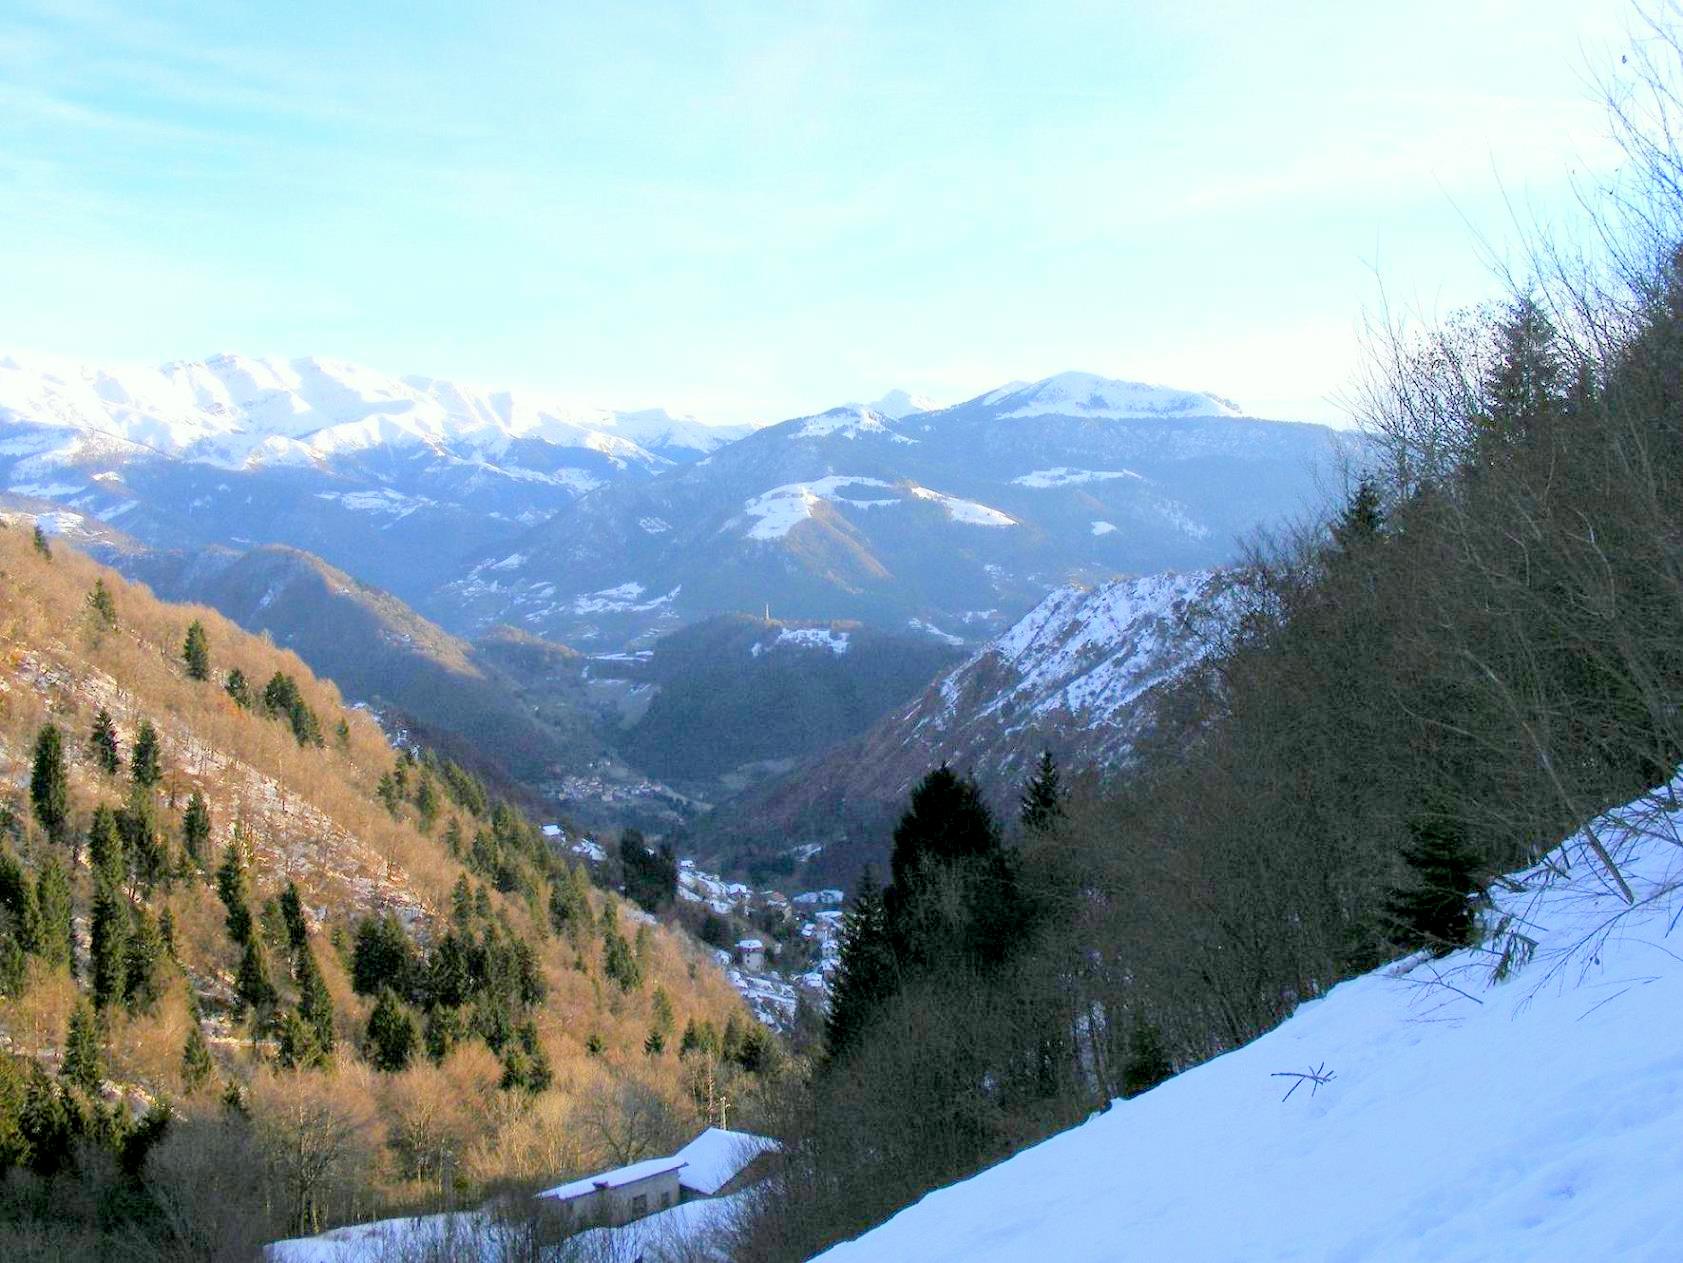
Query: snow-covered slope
column 1460, row 1118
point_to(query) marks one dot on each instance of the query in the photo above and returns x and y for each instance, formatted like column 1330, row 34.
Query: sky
column 754, row 211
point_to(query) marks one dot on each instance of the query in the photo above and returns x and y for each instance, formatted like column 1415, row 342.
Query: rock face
column 1079, row 675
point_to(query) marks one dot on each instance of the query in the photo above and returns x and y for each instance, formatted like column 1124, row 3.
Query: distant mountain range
column 603, row 529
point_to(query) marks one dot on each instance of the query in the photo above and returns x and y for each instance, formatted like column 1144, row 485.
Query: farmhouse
column 621, row 1195
column 716, row 1163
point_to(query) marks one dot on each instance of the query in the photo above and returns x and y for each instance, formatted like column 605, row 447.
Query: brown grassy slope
column 310, row 815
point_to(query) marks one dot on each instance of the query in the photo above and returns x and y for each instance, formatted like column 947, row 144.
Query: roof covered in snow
column 616, row 1178
column 716, row 1157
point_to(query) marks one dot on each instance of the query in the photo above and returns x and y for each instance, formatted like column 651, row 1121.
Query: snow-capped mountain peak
column 1075, row 394
column 899, row 403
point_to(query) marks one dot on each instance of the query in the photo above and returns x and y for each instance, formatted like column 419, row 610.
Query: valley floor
column 1460, row 1118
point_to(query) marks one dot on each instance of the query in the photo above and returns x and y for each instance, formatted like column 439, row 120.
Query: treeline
column 1472, row 657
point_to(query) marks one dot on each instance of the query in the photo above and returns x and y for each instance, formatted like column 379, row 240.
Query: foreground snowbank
column 1536, row 1118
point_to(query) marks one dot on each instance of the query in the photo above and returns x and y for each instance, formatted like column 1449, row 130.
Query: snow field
column 1462, row 1119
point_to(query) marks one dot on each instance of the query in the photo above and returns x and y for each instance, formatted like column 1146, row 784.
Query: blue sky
column 753, row 211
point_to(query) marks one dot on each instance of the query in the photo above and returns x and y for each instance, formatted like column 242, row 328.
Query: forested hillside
column 261, row 973
column 1470, row 660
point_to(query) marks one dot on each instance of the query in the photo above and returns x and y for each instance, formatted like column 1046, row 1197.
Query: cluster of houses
column 755, row 965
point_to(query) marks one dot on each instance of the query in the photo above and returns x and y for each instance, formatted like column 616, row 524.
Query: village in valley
column 787, row 958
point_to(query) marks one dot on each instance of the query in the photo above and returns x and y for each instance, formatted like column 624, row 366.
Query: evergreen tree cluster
column 650, row 874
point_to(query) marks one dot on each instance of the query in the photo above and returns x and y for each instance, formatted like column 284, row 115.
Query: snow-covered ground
column 684, row 1234
column 1461, row 1118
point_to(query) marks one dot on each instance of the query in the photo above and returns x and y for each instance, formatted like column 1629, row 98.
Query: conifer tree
column 392, row 1035
column 105, row 847
column 1042, row 800
column 103, row 605
column 238, row 688
column 82, row 1065
column 461, row 903
column 1361, row 519
column 109, row 932
column 142, row 958
column 654, row 1043
column 1435, row 910
column 49, row 788
column 1147, row 1063
column 315, row 1004
column 619, row 961
column 146, row 759
column 52, row 903
column 295, row 1045
column 868, row 973
column 196, row 1065
column 39, row 538
column 195, row 652
column 251, row 984
column 234, row 889
column 292, row 914
column 145, row 852
column 382, row 956
column 19, row 899
column 195, row 830
column 102, row 744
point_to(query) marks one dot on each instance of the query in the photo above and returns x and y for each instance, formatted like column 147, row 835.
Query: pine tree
column 195, row 830
column 146, row 759
column 392, row 1034
column 868, row 973
column 195, row 652
column 103, row 605
column 19, row 900
column 196, row 1065
column 292, row 915
column 619, row 961
column 234, row 889
column 1361, row 519
column 49, row 788
column 295, row 1045
column 52, row 903
column 315, row 1005
column 41, row 545
column 82, row 1065
column 252, row 987
column 1042, row 801
column 109, row 932
column 102, row 744
column 654, row 1043
column 1435, row 910
column 382, row 957
column 1147, row 1063
column 947, row 841
column 142, row 959
column 105, row 847
column 237, row 687
column 145, row 852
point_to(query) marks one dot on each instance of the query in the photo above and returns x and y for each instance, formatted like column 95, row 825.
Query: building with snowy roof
column 716, row 1163
column 621, row 1195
